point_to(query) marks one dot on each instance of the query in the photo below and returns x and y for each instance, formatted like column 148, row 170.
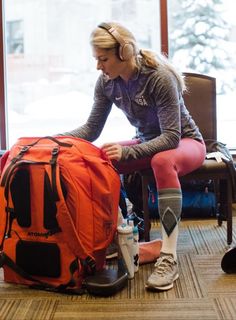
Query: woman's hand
column 112, row 150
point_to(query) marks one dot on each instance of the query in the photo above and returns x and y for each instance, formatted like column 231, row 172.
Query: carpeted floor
column 203, row 290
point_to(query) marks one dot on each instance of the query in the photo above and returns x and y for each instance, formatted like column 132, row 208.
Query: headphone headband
column 113, row 32
column 126, row 49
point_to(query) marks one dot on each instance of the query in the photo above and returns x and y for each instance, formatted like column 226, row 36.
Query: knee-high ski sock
column 170, row 206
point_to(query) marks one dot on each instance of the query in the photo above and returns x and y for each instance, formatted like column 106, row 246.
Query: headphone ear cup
column 126, row 51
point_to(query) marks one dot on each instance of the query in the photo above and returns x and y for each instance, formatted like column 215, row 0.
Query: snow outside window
column 202, row 38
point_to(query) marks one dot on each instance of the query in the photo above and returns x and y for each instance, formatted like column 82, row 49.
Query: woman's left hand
column 112, row 150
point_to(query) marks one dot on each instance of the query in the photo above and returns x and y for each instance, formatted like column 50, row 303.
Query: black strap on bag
column 38, row 284
column 102, row 283
column 26, row 148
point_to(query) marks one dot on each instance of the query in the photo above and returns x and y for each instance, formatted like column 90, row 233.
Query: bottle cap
column 135, row 230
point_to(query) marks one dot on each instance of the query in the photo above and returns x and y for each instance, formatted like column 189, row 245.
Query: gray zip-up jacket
column 153, row 104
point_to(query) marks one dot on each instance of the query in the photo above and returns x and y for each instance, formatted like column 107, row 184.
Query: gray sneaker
column 165, row 273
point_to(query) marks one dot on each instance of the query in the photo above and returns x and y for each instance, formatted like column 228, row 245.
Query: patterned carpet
column 203, row 290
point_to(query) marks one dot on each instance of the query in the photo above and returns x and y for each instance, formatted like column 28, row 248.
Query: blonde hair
column 154, row 60
column 103, row 39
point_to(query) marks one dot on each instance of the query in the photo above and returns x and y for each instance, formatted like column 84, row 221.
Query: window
column 14, row 37
column 50, row 88
column 50, row 69
column 202, row 38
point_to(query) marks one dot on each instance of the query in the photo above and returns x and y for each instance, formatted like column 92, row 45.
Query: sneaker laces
column 164, row 264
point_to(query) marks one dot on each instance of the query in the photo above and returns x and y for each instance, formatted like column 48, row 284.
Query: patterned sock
column 170, row 206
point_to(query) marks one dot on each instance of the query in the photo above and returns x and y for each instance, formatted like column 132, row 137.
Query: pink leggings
column 167, row 165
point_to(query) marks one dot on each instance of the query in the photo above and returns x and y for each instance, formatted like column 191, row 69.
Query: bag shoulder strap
column 5, row 260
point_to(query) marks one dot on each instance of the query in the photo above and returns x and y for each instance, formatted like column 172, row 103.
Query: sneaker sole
column 163, row 288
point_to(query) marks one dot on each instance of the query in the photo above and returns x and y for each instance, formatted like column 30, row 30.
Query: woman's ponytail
column 153, row 60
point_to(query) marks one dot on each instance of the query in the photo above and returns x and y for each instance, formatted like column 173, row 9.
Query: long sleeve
column 167, row 107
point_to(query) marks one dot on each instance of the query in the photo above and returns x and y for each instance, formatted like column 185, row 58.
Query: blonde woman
column 149, row 92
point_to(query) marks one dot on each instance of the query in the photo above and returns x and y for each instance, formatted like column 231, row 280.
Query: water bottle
column 136, row 248
column 135, row 245
column 125, row 241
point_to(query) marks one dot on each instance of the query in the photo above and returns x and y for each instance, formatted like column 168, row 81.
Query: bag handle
column 60, row 143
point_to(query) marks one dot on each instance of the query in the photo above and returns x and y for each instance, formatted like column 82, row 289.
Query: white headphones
column 126, row 49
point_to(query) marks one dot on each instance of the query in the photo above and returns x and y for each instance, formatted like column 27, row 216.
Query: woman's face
column 108, row 62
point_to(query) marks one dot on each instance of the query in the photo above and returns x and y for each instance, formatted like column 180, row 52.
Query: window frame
column 3, row 136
